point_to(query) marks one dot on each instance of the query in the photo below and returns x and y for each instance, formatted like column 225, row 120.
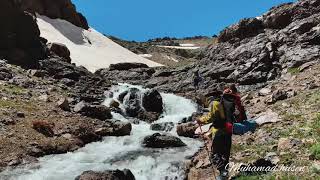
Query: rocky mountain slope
column 171, row 52
column 55, row 107
column 62, row 9
column 252, row 58
column 20, row 36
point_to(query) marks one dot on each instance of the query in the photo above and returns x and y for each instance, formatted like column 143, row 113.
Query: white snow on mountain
column 88, row 48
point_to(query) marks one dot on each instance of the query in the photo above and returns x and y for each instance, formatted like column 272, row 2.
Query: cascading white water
column 120, row 152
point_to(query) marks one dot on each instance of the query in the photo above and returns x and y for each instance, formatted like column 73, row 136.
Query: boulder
column 162, row 141
column 5, row 74
column 59, row 69
column 7, row 121
column 152, row 101
column 63, row 104
column 245, row 28
column 279, row 17
column 166, row 126
column 126, row 66
column 86, row 133
column 100, row 112
column 116, row 128
column 63, row 9
column 107, row 175
column 60, row 50
column 148, row 117
column 267, row 117
column 114, row 104
column 132, row 102
column 44, row 127
column 186, row 129
column 20, row 36
column 264, row 91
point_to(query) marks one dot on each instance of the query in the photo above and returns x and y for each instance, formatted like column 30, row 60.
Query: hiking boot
column 224, row 175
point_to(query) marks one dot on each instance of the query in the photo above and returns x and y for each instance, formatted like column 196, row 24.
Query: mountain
column 171, row 52
column 64, row 85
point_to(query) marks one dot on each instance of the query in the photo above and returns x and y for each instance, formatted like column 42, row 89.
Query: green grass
column 12, row 89
column 293, row 70
column 28, row 106
column 315, row 151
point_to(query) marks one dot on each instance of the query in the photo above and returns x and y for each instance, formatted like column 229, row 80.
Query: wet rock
column 127, row 66
column 114, row 104
column 122, row 95
column 186, row 129
column 166, row 126
column 152, row 101
column 116, row 128
column 148, row 117
column 100, row 112
column 132, row 102
column 86, row 133
column 162, row 141
column 63, row 104
column 107, row 175
column 61, row 50
column 44, row 127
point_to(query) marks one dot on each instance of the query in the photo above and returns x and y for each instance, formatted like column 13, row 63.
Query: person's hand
column 199, row 122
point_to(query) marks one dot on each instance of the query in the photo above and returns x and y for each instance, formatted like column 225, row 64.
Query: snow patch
column 88, row 48
column 145, row 55
column 179, row 47
column 187, row 45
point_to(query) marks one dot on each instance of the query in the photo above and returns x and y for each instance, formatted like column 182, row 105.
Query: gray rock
column 63, row 103
column 107, row 175
column 166, row 126
column 162, row 141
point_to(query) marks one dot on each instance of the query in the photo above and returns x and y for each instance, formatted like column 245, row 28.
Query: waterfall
column 120, row 152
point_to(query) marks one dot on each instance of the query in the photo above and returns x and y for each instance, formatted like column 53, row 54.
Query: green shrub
column 293, row 70
column 315, row 151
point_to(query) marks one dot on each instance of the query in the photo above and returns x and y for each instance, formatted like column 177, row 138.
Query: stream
column 121, row 152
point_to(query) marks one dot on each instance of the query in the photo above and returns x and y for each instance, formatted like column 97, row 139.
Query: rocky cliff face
column 20, row 36
column 253, row 51
column 63, row 9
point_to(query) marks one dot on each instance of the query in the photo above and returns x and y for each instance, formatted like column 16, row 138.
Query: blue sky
column 141, row 20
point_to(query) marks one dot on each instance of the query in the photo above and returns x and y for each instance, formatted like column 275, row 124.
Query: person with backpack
column 222, row 116
column 242, row 124
column 196, row 79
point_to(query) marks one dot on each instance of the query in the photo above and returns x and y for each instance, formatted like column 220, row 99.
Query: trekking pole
column 202, row 135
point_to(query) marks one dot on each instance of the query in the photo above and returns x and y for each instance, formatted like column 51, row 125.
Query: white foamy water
column 120, row 152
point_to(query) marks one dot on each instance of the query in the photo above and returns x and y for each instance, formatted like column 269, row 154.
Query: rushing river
column 120, row 152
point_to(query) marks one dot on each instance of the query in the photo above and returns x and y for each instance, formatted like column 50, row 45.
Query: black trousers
column 221, row 148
